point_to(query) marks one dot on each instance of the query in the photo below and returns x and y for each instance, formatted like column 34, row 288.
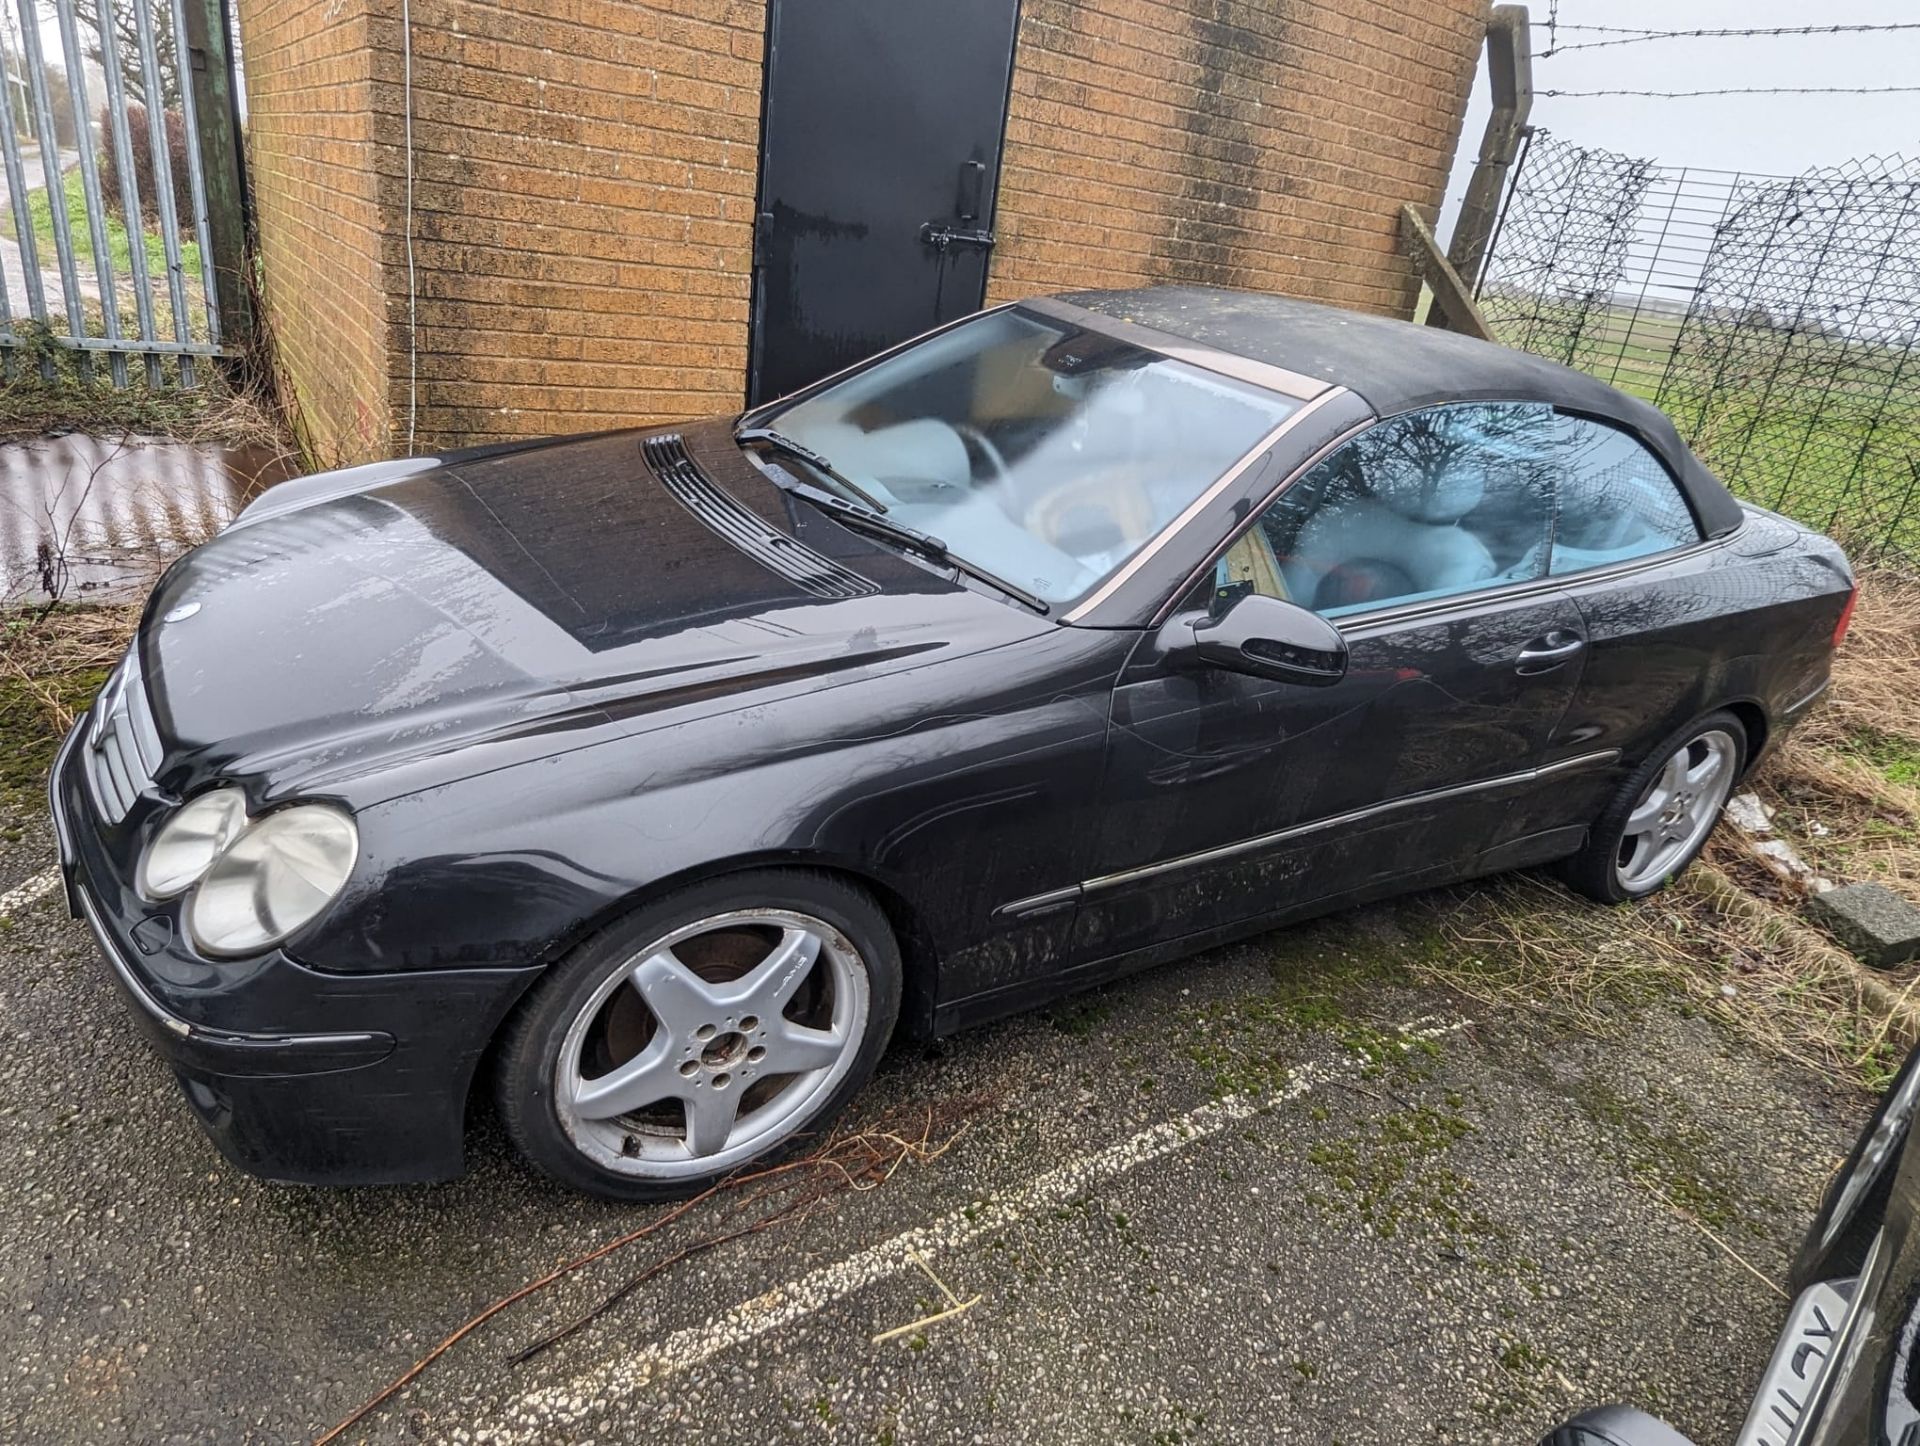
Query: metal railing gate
column 122, row 233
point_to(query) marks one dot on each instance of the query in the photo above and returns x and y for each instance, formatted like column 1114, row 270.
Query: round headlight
column 274, row 878
column 189, row 842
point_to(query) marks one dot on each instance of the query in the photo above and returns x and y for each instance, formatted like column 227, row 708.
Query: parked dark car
column 666, row 772
column 1844, row 1371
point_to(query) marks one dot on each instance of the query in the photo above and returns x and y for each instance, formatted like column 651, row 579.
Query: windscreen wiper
column 781, row 442
column 865, row 519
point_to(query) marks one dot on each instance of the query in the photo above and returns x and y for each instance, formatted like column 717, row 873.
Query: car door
column 1230, row 798
column 1666, row 621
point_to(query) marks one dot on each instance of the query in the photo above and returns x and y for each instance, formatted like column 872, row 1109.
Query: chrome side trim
column 1180, row 348
column 1199, row 504
column 1358, row 815
column 1793, row 710
column 1037, row 904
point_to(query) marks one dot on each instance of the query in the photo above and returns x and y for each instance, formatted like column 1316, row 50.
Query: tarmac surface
column 1275, row 1193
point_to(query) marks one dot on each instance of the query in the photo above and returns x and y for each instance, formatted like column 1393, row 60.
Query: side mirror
column 1262, row 637
column 1615, row 1426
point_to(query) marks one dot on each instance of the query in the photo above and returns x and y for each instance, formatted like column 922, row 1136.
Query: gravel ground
column 1407, row 1219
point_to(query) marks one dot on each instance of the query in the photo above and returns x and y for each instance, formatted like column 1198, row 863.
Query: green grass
column 119, row 245
column 1897, row 758
column 30, row 734
column 1393, row 1174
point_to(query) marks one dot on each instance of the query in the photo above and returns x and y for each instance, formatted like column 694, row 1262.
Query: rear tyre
column 1659, row 821
column 722, row 1026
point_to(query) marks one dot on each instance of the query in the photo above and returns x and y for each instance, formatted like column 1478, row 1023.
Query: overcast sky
column 1770, row 134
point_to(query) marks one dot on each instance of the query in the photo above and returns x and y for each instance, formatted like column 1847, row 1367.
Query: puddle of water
column 96, row 518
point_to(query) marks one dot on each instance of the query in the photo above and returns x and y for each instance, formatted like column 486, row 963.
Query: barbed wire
column 1633, row 35
column 1749, row 90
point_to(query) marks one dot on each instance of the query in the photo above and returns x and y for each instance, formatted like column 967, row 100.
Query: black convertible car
column 1844, row 1371
column 664, row 773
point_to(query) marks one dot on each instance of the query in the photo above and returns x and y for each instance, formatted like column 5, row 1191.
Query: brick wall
column 584, row 191
column 583, row 195
column 1266, row 145
column 585, row 170
column 322, row 229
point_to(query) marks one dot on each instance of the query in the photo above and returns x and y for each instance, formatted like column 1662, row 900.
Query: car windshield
column 1040, row 451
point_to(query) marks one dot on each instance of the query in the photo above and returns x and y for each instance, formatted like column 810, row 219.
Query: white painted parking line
column 550, row 1411
column 37, row 887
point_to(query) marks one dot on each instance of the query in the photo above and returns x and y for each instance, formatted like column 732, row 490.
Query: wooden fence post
column 1453, row 305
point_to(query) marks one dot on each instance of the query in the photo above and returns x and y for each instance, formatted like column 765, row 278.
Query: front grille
column 122, row 747
column 766, row 544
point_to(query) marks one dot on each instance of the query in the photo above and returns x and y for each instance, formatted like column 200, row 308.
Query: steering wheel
column 1118, row 495
column 970, row 433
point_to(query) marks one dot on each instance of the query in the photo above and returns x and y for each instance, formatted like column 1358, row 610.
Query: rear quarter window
column 1615, row 500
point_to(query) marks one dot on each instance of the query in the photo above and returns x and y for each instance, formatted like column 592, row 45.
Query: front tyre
column 1659, row 821
column 720, row 1026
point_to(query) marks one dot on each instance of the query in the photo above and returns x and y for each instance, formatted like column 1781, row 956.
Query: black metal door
column 879, row 158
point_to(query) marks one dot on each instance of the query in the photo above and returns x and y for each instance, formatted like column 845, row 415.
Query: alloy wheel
column 1677, row 810
column 712, row 1043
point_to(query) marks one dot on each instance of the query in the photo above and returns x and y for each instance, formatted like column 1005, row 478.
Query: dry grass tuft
column 1876, row 676
column 39, row 651
column 1846, row 788
column 210, row 413
column 1525, row 945
column 51, row 665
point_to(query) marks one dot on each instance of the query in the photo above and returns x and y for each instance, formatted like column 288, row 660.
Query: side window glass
column 1617, row 501
column 1424, row 505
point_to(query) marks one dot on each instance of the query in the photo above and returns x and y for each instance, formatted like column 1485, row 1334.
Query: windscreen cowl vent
column 667, row 459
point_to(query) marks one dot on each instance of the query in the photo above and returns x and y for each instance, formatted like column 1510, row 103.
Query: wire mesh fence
column 1776, row 319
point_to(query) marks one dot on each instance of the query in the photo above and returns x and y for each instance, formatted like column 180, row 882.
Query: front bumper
column 373, row 1089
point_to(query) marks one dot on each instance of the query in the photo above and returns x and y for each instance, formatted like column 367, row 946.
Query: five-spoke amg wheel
column 719, row 1026
column 1658, row 822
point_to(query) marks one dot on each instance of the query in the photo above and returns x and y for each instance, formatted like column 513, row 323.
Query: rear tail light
column 1846, row 617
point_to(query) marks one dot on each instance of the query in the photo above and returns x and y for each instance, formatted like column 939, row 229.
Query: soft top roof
column 1395, row 366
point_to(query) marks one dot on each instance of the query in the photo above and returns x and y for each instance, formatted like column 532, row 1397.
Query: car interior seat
column 1397, row 536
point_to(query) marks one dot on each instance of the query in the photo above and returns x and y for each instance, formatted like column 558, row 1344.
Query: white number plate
column 1793, row 1375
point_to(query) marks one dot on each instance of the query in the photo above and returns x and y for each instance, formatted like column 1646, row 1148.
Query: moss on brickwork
column 584, row 186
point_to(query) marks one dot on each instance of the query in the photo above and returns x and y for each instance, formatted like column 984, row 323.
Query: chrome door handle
column 1543, row 655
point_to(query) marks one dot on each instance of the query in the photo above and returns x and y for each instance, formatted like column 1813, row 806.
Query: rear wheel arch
column 1595, row 870
column 1759, row 728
